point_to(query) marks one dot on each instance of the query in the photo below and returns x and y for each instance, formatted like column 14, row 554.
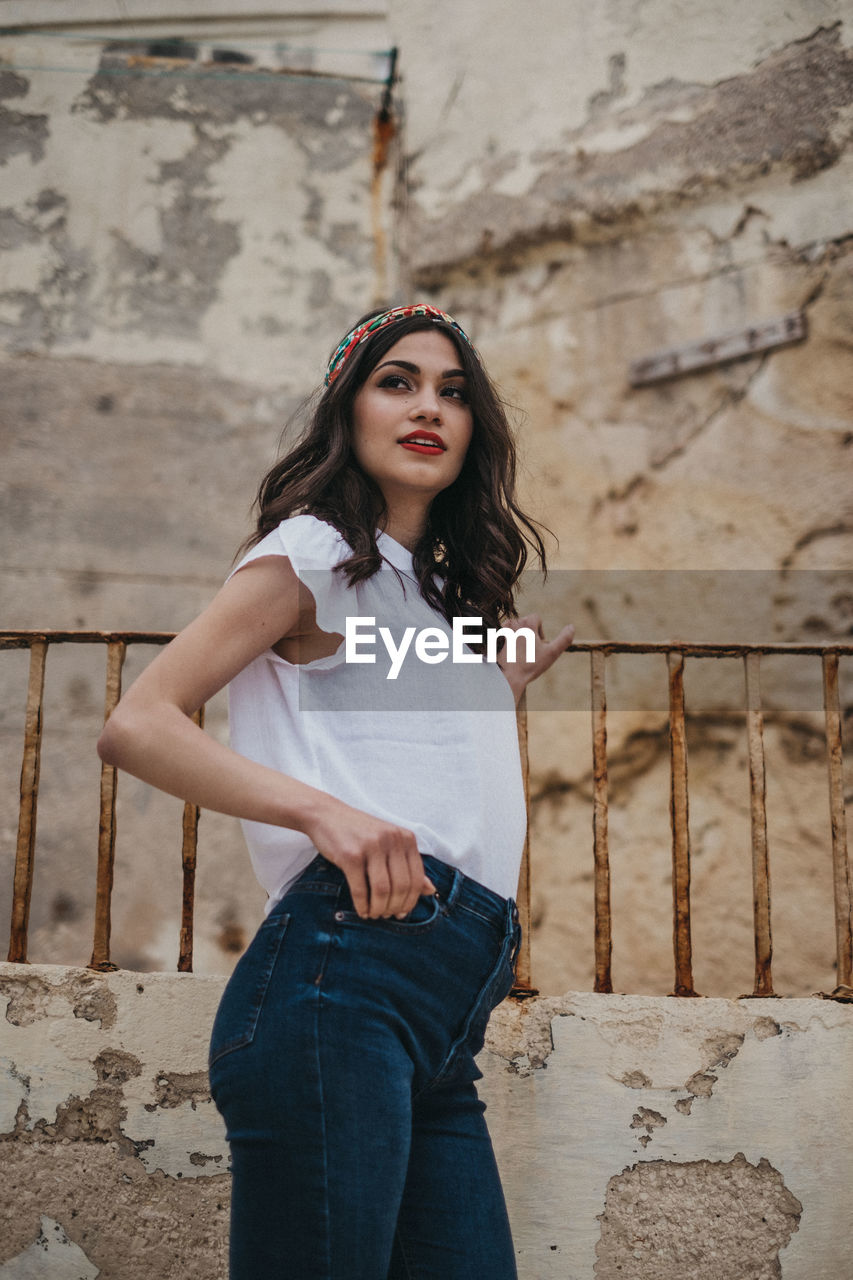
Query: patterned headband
column 358, row 335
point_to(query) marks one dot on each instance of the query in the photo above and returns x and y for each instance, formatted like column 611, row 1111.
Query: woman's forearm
column 161, row 745
column 168, row 750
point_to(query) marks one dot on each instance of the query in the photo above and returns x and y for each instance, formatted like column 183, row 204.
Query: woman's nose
column 427, row 404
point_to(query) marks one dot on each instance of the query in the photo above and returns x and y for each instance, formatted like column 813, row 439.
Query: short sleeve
column 313, row 548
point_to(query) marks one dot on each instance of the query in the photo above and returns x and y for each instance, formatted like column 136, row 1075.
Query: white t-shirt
column 434, row 750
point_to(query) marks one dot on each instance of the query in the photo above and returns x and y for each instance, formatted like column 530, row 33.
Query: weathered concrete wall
column 637, row 1136
column 648, row 1137
column 626, row 192
column 181, row 242
column 609, row 113
column 108, row 1128
column 646, row 174
column 163, row 320
column 583, row 187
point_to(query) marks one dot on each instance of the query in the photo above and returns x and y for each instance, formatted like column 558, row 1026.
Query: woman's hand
column 520, row 672
column 381, row 861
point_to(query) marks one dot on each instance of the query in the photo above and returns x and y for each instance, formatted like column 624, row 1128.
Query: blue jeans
column 342, row 1060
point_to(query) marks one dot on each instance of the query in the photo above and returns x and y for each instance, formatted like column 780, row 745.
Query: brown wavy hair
column 476, row 540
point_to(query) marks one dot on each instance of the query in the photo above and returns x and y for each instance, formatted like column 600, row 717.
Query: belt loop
column 513, row 930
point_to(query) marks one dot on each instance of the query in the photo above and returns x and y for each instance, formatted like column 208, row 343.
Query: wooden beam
column 707, row 353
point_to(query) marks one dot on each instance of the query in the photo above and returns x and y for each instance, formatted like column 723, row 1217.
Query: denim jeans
column 342, row 1060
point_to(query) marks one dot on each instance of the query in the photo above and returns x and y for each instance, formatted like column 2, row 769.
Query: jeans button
column 339, row 915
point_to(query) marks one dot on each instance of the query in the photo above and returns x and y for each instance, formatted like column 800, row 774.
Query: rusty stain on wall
column 385, row 131
column 701, row 1220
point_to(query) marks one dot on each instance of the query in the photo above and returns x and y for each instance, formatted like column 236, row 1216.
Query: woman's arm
column 151, row 734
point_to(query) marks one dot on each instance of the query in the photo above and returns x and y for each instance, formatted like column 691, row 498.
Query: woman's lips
column 423, row 442
column 421, row 448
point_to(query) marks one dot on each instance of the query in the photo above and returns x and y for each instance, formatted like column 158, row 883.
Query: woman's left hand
column 520, row 672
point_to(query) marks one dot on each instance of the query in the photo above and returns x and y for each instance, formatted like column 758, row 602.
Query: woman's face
column 411, row 420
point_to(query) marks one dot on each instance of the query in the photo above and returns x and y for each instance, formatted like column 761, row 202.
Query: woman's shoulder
column 307, row 541
column 311, row 540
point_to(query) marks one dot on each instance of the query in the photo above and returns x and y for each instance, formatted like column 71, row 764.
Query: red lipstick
column 423, row 442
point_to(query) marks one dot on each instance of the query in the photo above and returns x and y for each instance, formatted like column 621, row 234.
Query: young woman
column 379, row 783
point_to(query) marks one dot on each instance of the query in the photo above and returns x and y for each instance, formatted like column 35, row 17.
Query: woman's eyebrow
column 413, row 368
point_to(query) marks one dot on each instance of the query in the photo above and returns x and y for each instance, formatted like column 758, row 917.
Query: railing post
column 30, row 767
column 523, row 981
column 763, row 985
column 840, row 860
column 601, row 852
column 680, row 831
column 107, row 827
column 189, row 850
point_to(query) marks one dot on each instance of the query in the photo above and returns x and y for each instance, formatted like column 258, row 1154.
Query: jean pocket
column 242, row 1000
column 424, row 915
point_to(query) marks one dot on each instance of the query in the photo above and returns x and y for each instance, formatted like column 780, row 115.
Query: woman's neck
column 405, row 526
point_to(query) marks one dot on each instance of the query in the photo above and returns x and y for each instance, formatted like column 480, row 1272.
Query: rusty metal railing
column 676, row 654
column 116, row 643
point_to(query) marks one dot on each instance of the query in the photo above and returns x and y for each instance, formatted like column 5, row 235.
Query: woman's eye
column 456, row 393
column 394, row 380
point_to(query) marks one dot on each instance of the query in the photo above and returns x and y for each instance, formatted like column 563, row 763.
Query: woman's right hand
column 381, row 862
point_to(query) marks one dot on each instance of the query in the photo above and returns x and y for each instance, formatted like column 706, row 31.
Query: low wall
column 638, row 1136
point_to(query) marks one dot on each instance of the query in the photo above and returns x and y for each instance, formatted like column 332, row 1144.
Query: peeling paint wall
column 637, row 1136
column 180, row 242
column 177, row 254
column 649, row 175
column 112, row 1149
column 627, row 193
column 646, row 1137
column 207, row 185
column 738, row 1213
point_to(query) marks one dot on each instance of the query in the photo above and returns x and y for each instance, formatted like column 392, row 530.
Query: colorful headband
column 357, row 335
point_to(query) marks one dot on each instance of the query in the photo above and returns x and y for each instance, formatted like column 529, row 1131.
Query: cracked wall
column 640, row 1136
column 232, row 222
column 177, row 254
column 179, row 246
column 175, row 262
column 115, row 1162
column 600, row 122
column 636, row 1135
column 627, row 194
